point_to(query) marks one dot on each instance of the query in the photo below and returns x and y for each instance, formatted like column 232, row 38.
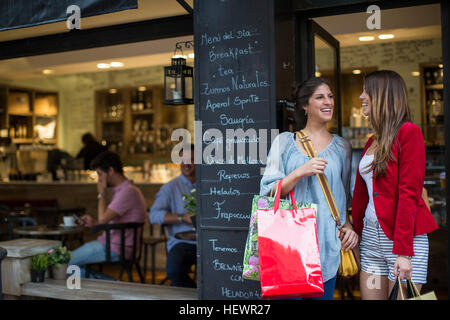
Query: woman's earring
column 306, row 112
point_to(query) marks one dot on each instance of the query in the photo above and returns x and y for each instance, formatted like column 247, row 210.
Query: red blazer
column 399, row 206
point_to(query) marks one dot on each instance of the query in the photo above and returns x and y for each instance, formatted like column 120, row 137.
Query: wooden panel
column 46, row 105
column 14, row 272
column 16, row 266
column 19, row 103
column 22, row 248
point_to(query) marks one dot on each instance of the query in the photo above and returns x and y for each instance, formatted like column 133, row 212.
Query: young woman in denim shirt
column 288, row 161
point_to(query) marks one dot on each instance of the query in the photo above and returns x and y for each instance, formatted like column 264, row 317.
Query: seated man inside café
column 127, row 205
column 169, row 209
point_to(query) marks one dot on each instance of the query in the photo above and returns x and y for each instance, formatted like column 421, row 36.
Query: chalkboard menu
column 235, row 106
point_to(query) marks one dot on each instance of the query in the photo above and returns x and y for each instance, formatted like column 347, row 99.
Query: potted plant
column 39, row 264
column 59, row 257
column 191, row 205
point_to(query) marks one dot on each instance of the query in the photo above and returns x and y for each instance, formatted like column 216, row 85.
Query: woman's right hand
column 313, row 166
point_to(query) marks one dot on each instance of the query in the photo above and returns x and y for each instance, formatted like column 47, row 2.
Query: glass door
column 318, row 55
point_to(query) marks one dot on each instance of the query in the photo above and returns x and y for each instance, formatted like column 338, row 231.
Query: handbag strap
column 400, row 288
column 306, row 141
column 278, row 196
column 413, row 289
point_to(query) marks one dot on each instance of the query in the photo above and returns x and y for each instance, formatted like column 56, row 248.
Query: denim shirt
column 170, row 199
column 284, row 157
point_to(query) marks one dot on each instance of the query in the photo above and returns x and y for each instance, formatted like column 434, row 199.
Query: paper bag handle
column 278, row 196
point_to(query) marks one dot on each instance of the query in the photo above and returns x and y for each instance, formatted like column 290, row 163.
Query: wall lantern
column 178, row 78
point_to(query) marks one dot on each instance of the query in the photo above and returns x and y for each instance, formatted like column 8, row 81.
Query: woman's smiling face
column 366, row 104
column 321, row 104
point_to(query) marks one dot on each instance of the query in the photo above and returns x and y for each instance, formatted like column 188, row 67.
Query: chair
column 153, row 241
column 125, row 264
column 14, row 221
column 3, row 253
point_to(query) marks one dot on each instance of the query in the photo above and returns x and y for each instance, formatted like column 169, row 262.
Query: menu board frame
column 234, row 90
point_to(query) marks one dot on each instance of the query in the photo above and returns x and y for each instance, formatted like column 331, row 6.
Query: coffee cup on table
column 69, row 221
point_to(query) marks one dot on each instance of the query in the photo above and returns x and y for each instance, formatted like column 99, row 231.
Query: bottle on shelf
column 131, row 146
column 428, row 79
column 148, row 100
column 151, row 147
column 134, row 105
column 140, row 100
column 144, row 143
column 144, row 125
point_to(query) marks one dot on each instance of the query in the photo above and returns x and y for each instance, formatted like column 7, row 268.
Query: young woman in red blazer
column 388, row 211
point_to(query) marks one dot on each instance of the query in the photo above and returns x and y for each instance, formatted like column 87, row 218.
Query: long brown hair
column 390, row 109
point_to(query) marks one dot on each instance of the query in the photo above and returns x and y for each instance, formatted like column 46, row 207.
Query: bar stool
column 153, row 241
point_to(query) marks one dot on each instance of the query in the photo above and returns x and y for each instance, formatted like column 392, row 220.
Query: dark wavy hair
column 301, row 93
column 106, row 160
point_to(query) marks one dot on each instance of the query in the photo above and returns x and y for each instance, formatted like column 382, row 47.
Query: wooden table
column 57, row 232
column 187, row 235
column 45, row 230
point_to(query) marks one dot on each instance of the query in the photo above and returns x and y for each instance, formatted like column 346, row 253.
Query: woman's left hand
column 349, row 238
column 404, row 265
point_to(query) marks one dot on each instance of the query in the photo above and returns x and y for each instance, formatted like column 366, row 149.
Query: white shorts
column 377, row 257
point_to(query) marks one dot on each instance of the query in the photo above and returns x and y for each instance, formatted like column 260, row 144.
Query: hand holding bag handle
column 276, row 205
column 349, row 265
column 411, row 289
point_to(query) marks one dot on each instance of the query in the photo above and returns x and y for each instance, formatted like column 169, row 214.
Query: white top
column 363, row 164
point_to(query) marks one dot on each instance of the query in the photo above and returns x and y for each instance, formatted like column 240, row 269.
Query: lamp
column 178, row 78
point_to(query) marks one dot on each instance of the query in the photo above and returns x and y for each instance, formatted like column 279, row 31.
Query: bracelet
column 100, row 195
column 407, row 257
column 180, row 218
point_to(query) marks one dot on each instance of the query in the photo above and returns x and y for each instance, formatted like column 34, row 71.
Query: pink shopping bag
column 289, row 252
